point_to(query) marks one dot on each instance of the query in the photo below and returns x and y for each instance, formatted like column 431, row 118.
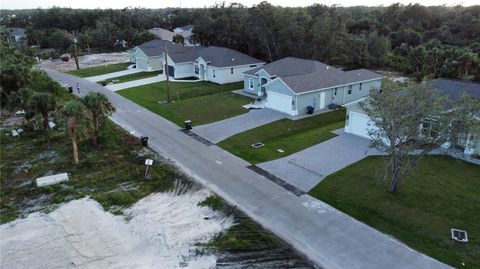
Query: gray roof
column 161, row 33
column 186, row 27
column 455, row 88
column 14, row 31
column 216, row 56
column 303, row 75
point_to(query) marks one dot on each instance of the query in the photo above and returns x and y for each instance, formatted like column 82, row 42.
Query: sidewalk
column 135, row 83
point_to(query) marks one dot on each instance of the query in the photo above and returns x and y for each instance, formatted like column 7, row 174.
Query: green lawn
column 135, row 76
column 200, row 102
column 99, row 70
column 290, row 136
column 440, row 193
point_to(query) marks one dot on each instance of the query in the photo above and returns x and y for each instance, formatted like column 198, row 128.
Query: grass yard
column 112, row 174
column 290, row 136
column 200, row 102
column 135, row 76
column 440, row 193
column 99, row 70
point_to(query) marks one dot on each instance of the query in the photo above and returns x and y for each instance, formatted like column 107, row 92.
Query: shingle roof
column 14, row 31
column 455, row 88
column 217, row 56
column 303, row 75
column 161, row 33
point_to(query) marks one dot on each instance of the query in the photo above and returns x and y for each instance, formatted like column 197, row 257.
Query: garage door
column 279, row 102
column 358, row 124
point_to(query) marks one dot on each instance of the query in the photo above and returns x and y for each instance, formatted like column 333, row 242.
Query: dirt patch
column 86, row 61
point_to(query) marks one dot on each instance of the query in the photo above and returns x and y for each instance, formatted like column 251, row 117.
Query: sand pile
column 86, row 61
column 160, row 232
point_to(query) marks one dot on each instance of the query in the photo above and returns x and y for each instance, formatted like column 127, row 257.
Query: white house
column 187, row 32
column 294, row 86
column 358, row 123
column 215, row 64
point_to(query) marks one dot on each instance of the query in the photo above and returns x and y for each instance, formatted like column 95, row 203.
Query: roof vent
column 233, row 59
column 328, row 67
column 459, row 235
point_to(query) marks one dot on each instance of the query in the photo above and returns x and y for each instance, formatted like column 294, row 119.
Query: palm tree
column 42, row 103
column 101, row 108
column 75, row 119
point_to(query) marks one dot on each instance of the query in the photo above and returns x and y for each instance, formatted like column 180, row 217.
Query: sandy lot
column 86, row 61
column 160, row 231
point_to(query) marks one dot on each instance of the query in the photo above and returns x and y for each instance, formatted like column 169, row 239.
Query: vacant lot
column 112, row 173
column 134, row 76
column 99, row 70
column 200, row 102
column 287, row 135
column 439, row 194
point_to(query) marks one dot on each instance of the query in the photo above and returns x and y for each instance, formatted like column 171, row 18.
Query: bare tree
column 408, row 124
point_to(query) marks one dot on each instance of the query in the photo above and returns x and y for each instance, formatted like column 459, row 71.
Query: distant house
column 359, row 123
column 215, row 64
column 291, row 85
column 162, row 34
column 187, row 32
column 14, row 36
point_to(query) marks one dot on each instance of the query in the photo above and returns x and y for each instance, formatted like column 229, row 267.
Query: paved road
column 328, row 237
column 306, row 168
column 220, row 130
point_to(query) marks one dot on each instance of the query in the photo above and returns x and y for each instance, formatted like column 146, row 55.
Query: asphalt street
column 328, row 237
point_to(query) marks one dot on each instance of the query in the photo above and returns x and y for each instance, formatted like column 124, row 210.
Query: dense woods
column 416, row 40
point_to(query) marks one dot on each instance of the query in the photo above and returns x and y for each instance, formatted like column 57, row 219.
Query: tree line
column 420, row 41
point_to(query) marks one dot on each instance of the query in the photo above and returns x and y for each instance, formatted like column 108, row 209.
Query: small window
column 213, row 73
column 250, row 81
column 360, row 88
column 349, row 92
column 335, row 91
column 253, row 65
column 196, row 69
column 231, row 71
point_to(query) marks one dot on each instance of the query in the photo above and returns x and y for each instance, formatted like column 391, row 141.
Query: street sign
column 148, row 162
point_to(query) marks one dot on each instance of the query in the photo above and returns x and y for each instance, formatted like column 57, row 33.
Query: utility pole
column 75, row 52
column 166, row 73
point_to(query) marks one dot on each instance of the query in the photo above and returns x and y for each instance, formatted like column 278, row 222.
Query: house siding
column 256, row 84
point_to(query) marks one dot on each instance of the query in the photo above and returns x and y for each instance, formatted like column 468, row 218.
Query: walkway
column 135, row 83
column 325, row 235
column 307, row 168
column 113, row 75
column 220, row 130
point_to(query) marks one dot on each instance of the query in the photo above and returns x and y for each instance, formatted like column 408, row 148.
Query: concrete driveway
column 221, row 130
column 305, row 169
column 135, row 83
column 113, row 75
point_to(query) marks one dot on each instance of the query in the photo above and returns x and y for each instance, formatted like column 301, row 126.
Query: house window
column 197, row 71
column 250, row 82
column 335, row 91
column 231, row 71
column 213, row 73
column 360, row 88
column 349, row 91
column 253, row 65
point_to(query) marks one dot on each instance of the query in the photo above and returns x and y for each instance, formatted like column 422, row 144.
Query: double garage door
column 279, row 102
column 358, row 124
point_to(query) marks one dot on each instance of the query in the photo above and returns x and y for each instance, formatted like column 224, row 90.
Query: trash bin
column 188, row 125
column 70, row 89
column 309, row 109
column 144, row 140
